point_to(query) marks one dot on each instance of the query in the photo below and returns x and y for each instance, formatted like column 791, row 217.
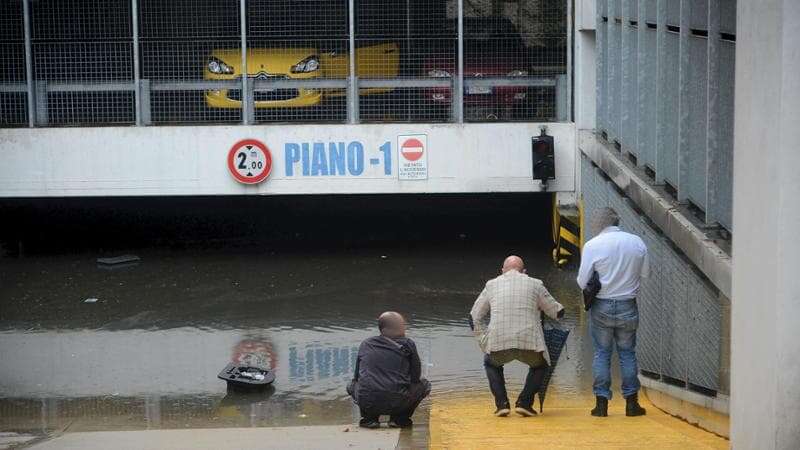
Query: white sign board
column 412, row 157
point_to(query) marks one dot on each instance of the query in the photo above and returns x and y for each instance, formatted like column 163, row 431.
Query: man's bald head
column 513, row 262
column 392, row 324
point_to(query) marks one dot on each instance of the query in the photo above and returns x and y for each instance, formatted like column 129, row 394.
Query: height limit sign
column 249, row 161
column 413, row 157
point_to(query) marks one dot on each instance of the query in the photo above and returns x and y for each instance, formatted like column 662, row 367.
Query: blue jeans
column 614, row 322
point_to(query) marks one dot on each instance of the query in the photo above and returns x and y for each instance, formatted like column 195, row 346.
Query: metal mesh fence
column 680, row 314
column 178, row 41
column 298, row 40
column 406, row 39
column 512, row 40
column 13, row 102
column 100, row 62
column 80, row 47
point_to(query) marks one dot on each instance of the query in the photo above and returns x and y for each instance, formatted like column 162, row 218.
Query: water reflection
column 147, row 354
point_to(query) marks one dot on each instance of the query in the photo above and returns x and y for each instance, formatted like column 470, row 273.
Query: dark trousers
column 398, row 405
column 493, row 363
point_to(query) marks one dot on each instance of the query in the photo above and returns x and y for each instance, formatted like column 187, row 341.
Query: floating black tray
column 237, row 377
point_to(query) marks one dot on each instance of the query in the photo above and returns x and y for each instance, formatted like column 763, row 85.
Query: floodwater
column 147, row 352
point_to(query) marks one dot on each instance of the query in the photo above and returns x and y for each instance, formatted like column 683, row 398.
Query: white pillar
column 765, row 325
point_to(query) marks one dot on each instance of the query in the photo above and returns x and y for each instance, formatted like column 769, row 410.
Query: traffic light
column 543, row 157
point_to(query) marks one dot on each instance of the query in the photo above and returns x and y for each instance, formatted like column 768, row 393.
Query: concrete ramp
column 466, row 422
column 315, row 437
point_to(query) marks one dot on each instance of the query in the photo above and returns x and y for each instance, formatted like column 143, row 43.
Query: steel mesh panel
column 601, row 105
column 698, row 14
column 649, row 299
column 673, row 10
column 651, row 306
column 679, row 314
column 704, row 348
column 85, row 43
column 403, row 105
column 694, row 180
column 13, row 105
column 406, row 39
column 13, row 109
column 588, row 201
column 727, row 18
column 722, row 167
column 281, row 36
column 648, row 99
column 187, row 106
column 650, row 10
column 518, row 39
column 83, row 60
column 177, row 40
column 630, row 90
column 675, row 337
column 90, row 108
column 668, row 100
column 631, row 9
column 614, row 71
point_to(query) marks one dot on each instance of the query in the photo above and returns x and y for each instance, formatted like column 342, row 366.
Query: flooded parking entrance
column 146, row 353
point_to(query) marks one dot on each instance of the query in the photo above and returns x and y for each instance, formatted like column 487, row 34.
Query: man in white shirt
column 620, row 260
column 514, row 303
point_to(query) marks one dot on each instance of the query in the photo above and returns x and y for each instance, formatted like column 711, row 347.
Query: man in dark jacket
column 387, row 378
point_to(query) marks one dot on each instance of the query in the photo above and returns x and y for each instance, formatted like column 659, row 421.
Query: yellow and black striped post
column 567, row 235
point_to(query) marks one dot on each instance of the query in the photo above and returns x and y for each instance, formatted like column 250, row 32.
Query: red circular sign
column 412, row 149
column 249, row 161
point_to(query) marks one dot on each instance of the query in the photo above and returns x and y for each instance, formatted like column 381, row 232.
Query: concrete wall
column 117, row 161
column 765, row 400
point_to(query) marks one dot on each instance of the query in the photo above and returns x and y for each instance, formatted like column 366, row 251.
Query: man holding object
column 514, row 302
column 620, row 260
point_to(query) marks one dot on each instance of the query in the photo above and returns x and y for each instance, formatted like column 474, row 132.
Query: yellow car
column 375, row 61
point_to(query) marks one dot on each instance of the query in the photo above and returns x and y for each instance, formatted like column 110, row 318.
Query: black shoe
column 503, row 410
column 400, row 422
column 632, row 407
column 525, row 411
column 369, row 423
column 601, row 407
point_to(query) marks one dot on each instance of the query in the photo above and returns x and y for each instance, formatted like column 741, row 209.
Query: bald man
column 387, row 377
column 513, row 301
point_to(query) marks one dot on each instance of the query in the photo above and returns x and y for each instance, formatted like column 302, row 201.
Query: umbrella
column 555, row 336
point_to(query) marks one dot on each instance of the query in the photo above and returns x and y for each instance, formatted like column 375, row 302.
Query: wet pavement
column 145, row 355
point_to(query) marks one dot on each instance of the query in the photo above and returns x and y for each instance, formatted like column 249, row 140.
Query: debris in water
column 118, row 262
column 123, row 259
column 90, row 300
column 384, row 256
column 302, row 416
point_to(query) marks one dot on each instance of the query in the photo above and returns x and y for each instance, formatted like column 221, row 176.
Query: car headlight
column 518, row 73
column 436, row 73
column 307, row 65
column 216, row 65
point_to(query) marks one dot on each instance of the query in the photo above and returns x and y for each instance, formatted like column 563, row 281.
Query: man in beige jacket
column 513, row 302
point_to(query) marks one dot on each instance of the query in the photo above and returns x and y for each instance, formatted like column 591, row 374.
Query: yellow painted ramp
column 466, row 422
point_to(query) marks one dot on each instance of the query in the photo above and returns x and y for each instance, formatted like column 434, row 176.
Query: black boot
column 601, row 407
column 632, row 407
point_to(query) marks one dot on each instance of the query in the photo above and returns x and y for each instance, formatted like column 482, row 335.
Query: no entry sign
column 413, row 157
column 249, row 161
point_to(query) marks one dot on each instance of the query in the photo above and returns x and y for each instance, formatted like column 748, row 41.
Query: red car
column 492, row 48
